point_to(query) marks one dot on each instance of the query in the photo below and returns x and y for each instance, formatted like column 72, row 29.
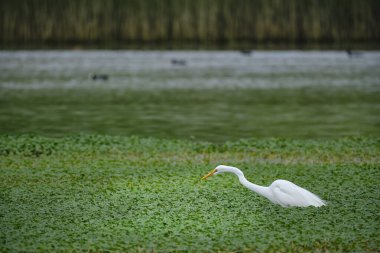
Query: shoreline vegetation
column 196, row 22
column 184, row 46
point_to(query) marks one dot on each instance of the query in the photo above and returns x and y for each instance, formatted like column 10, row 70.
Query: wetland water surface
column 203, row 95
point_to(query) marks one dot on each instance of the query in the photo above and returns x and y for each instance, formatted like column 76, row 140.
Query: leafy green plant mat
column 103, row 193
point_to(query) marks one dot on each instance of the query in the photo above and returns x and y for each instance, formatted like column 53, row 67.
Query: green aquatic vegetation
column 107, row 193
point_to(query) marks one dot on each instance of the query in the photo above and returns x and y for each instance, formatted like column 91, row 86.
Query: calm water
column 203, row 95
column 202, row 70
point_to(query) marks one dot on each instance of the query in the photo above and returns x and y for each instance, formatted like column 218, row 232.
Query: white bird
column 281, row 192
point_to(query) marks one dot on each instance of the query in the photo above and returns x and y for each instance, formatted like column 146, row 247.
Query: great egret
column 281, row 192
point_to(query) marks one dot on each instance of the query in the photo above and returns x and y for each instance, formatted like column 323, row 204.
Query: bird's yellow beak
column 209, row 174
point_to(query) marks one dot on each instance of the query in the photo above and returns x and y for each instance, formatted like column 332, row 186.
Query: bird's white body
column 281, row 192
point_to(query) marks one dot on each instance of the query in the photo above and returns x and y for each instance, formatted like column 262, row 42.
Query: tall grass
column 189, row 20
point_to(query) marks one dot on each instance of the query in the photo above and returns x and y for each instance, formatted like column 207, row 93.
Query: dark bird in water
column 351, row 53
column 99, row 77
column 246, row 52
column 178, row 62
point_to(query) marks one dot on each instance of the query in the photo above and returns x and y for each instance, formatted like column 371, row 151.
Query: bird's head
column 219, row 169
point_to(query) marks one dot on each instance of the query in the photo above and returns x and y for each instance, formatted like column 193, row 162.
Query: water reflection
column 202, row 69
column 214, row 95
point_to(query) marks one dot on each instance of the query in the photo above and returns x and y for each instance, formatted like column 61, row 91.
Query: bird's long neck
column 262, row 190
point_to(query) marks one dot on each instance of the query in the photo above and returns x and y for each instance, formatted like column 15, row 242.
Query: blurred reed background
column 201, row 21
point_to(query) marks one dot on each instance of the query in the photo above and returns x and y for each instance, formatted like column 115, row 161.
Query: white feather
column 281, row 192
